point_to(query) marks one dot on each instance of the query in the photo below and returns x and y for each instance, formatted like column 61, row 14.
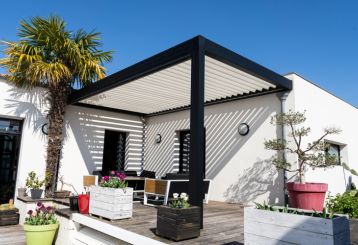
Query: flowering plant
column 117, row 181
column 42, row 215
column 179, row 201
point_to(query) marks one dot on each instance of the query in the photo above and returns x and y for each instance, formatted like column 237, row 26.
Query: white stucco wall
column 19, row 104
column 326, row 110
column 238, row 165
column 84, row 135
column 83, row 145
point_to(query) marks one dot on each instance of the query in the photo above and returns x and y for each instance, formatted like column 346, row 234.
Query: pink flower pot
column 308, row 196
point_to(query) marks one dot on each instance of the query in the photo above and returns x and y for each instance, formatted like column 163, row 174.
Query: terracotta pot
column 83, row 203
column 308, row 196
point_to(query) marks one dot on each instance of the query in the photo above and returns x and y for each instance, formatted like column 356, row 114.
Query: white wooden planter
column 111, row 203
column 268, row 227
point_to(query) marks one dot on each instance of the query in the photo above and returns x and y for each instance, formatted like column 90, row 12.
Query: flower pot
column 61, row 194
column 83, row 203
column 111, row 203
column 40, row 234
column 263, row 227
column 74, row 203
column 178, row 223
column 308, row 196
column 36, row 193
column 21, row 192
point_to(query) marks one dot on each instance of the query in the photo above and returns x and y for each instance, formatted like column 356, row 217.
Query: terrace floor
column 223, row 224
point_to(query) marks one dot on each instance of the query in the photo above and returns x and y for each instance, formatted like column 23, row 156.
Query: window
column 335, row 150
column 114, row 150
column 184, row 153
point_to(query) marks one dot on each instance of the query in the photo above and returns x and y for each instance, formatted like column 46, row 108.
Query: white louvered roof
column 170, row 88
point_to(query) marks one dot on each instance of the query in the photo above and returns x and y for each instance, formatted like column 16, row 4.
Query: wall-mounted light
column 158, row 138
column 44, row 129
column 243, row 129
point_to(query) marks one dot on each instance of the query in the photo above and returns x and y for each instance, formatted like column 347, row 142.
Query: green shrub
column 346, row 203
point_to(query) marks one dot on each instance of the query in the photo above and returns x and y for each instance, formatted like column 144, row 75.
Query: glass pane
column 334, row 150
column 7, row 125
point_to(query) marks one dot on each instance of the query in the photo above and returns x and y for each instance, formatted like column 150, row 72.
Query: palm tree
column 50, row 56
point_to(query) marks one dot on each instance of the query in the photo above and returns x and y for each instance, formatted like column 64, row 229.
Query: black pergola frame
column 195, row 49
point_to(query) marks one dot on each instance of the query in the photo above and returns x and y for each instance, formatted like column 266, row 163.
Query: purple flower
column 49, row 208
column 39, row 204
column 121, row 176
column 30, row 212
column 105, row 178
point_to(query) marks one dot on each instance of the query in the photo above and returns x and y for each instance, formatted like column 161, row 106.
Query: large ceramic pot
column 36, row 193
column 40, row 234
column 308, row 196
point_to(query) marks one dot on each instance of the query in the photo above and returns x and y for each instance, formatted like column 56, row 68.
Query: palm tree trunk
column 58, row 100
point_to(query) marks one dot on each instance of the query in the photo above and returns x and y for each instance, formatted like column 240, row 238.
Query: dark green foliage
column 346, row 203
column 324, row 214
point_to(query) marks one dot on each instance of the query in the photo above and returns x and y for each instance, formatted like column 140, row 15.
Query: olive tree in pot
column 302, row 194
column 34, row 184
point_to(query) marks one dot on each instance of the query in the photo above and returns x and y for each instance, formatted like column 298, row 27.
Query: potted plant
column 21, row 191
column 112, row 199
column 62, row 193
column 40, row 225
column 265, row 224
column 178, row 221
column 34, row 183
column 302, row 194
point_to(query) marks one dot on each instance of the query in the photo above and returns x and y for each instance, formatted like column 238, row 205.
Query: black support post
column 197, row 131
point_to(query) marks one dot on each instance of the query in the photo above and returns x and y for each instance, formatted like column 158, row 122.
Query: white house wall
column 326, row 110
column 84, row 135
column 19, row 104
column 83, row 146
column 238, row 165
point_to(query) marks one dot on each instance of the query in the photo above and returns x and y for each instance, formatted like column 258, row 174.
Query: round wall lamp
column 44, row 129
column 243, row 129
column 158, row 138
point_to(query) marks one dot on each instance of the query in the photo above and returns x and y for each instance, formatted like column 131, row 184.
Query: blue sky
column 317, row 39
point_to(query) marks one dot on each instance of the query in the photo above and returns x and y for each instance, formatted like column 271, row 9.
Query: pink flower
column 39, row 204
column 113, row 172
column 30, row 212
column 105, row 178
column 121, row 176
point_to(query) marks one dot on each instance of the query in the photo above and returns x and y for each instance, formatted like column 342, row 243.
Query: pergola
column 193, row 74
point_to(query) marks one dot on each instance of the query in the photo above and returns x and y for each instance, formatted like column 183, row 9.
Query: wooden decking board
column 223, row 223
column 12, row 235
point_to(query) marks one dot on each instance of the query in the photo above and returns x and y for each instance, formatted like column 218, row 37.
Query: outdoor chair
column 166, row 188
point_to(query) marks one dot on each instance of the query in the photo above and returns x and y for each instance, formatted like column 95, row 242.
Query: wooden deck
column 223, row 224
column 12, row 235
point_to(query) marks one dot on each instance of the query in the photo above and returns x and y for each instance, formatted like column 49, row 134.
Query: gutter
column 283, row 96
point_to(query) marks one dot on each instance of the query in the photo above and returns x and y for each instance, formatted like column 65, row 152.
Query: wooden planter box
column 9, row 217
column 111, row 203
column 268, row 227
column 178, row 224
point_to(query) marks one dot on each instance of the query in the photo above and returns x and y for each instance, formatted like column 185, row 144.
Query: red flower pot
column 308, row 196
column 83, row 203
